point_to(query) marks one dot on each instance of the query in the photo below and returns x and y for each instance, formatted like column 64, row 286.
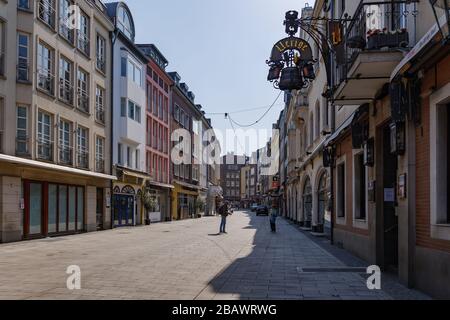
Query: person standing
column 273, row 215
column 224, row 213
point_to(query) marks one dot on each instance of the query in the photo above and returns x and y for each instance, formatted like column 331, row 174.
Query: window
column 311, row 129
column 160, row 106
column 123, row 66
column 123, row 107
column 155, row 101
column 65, row 142
column 66, row 80
column 176, row 170
column 137, row 160
column 22, row 57
column 134, row 73
column 128, row 157
column 83, row 90
column 22, row 130
column 23, row 4
column 100, row 104
column 124, row 23
column 44, row 137
column 101, row 53
column 149, row 97
column 45, row 63
column 100, row 154
column 177, row 113
column 46, row 12
column 340, row 190
column 134, row 111
column 359, row 187
column 83, row 33
column 65, row 28
column 119, row 154
column 2, row 46
column 317, row 124
column 82, row 148
column 166, row 110
column 2, row 123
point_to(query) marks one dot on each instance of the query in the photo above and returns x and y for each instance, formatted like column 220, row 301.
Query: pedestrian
column 273, row 215
column 224, row 213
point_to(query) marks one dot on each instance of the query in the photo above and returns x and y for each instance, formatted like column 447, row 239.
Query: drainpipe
column 113, row 37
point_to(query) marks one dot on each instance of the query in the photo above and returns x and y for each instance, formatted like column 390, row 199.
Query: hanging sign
column 291, row 43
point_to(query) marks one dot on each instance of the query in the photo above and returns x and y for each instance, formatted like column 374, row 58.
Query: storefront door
column 100, row 208
column 123, row 210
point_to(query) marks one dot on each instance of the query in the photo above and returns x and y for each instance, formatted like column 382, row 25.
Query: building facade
column 128, row 121
column 158, row 87
column 55, row 119
column 230, row 176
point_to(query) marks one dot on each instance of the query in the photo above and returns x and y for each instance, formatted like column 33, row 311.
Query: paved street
column 184, row 260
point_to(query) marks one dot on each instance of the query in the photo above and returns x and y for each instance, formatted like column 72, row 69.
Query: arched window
column 311, row 128
column 124, row 23
column 325, row 113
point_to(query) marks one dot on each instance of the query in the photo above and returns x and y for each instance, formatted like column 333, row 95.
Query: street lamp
column 445, row 5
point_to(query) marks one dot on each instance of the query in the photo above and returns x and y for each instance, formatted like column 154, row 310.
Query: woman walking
column 274, row 215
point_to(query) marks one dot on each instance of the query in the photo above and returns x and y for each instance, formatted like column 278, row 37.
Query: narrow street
column 186, row 260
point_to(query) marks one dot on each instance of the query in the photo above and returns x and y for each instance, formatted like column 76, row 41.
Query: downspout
column 113, row 37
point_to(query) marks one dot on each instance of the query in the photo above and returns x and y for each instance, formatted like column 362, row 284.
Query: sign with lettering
column 291, row 43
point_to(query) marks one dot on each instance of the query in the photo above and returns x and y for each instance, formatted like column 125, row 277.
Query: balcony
column 83, row 100
column 45, row 149
column 66, row 91
column 2, row 63
column 100, row 113
column 83, row 43
column 46, row 12
column 83, row 158
column 65, row 31
column 101, row 63
column 374, row 43
column 45, row 81
column 100, row 165
column 65, row 155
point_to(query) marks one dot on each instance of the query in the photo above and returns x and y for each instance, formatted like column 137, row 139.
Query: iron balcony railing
column 2, row 63
column 83, row 100
column 45, row 149
column 23, row 71
column 46, row 12
column 65, row 154
column 99, row 113
column 83, row 158
column 22, row 145
column 66, row 90
column 45, row 81
column 100, row 165
column 376, row 25
column 101, row 63
column 66, row 31
column 83, row 42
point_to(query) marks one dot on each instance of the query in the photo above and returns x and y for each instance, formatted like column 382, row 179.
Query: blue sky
column 219, row 48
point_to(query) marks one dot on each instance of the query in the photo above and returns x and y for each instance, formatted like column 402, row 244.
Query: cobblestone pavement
column 184, row 260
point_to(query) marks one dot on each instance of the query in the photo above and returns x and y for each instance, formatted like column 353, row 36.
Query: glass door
column 35, row 209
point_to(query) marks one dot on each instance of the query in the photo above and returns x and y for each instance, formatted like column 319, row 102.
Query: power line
column 235, row 134
column 241, row 111
column 257, row 121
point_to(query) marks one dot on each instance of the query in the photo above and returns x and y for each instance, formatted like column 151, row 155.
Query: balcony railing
column 100, row 165
column 46, row 12
column 101, row 63
column 83, row 158
column 45, row 81
column 99, row 113
column 22, row 145
column 23, row 71
column 45, row 149
column 66, row 90
column 376, row 25
column 2, row 63
column 83, row 100
column 83, row 42
column 65, row 31
column 65, row 154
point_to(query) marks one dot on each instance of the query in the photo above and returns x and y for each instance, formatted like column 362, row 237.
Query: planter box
column 378, row 41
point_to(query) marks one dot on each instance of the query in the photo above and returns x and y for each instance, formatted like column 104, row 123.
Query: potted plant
column 149, row 203
column 200, row 205
column 377, row 39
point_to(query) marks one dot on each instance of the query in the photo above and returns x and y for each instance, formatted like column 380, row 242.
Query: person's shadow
column 214, row 234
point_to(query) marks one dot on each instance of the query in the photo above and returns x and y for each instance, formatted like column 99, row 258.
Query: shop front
column 184, row 201
column 160, row 206
column 44, row 200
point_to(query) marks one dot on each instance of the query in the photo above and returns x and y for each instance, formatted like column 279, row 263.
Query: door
column 99, row 210
column 390, row 219
column 307, row 203
column 33, row 221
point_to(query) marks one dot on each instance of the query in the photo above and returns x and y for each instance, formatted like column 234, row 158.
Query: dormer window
column 124, row 23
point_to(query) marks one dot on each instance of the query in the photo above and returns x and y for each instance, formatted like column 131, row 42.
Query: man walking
column 274, row 215
column 224, row 212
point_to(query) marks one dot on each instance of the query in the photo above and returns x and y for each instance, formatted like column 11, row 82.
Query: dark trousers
column 223, row 223
column 273, row 226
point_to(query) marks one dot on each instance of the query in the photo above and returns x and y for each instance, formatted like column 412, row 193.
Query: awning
column 50, row 166
column 159, row 184
column 134, row 174
column 340, row 130
column 417, row 49
column 187, row 185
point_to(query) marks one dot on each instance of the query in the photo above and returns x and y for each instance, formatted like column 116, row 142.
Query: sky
column 219, row 48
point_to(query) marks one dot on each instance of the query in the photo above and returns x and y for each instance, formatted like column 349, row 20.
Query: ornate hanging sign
column 300, row 46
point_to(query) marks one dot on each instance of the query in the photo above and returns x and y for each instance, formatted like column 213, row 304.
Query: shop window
column 340, row 190
column 359, row 188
